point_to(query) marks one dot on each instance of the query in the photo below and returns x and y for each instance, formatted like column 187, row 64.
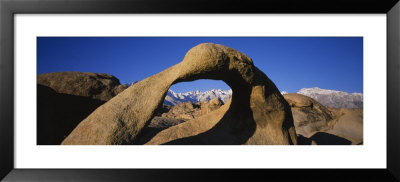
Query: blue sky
column 291, row 63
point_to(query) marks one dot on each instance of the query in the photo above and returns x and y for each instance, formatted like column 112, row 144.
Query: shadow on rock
column 156, row 125
column 146, row 135
column 234, row 128
column 302, row 140
column 58, row 114
column 322, row 138
column 220, row 135
column 258, row 114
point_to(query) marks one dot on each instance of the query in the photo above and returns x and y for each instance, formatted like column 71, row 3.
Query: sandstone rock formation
column 256, row 114
column 184, row 111
column 320, row 125
column 189, row 110
column 66, row 98
column 156, row 125
column 98, row 86
column 58, row 114
column 348, row 124
column 209, row 106
column 174, row 115
column 309, row 115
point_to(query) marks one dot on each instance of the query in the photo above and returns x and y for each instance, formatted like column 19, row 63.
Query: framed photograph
column 131, row 90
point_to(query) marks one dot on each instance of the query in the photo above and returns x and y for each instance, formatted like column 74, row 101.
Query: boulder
column 66, row 98
column 184, row 111
column 348, row 124
column 98, row 86
column 173, row 115
column 189, row 110
column 58, row 114
column 256, row 114
column 309, row 115
column 156, row 125
column 211, row 105
column 320, row 125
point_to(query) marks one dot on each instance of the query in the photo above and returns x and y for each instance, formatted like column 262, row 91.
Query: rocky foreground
column 88, row 108
column 66, row 98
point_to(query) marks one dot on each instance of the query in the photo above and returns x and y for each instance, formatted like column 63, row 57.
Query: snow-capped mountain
column 334, row 98
column 330, row 98
column 174, row 98
column 129, row 84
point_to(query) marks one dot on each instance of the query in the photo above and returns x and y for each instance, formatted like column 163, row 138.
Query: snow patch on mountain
column 330, row 98
column 334, row 98
column 174, row 98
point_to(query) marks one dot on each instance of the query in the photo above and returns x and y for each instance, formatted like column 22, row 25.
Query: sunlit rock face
column 317, row 124
column 257, row 113
column 309, row 115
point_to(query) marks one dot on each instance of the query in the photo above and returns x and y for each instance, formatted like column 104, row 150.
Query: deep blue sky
column 291, row 63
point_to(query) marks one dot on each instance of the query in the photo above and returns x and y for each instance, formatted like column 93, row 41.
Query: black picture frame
column 8, row 8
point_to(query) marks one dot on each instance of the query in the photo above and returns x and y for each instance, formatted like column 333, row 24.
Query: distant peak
column 321, row 90
column 131, row 83
column 312, row 88
column 196, row 96
column 334, row 98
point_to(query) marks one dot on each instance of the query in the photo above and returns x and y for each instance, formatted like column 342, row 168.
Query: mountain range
column 334, row 98
column 330, row 98
column 174, row 98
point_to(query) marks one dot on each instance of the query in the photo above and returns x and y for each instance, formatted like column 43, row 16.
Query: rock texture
column 209, row 106
column 98, row 86
column 189, row 110
column 348, row 124
column 66, row 98
column 174, row 115
column 309, row 115
column 256, row 114
column 58, row 114
column 156, row 125
column 184, row 111
column 320, row 125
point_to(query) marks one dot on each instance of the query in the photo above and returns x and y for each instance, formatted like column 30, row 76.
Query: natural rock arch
column 256, row 114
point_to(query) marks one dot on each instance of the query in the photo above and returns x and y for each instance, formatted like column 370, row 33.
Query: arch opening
column 184, row 101
column 255, row 115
